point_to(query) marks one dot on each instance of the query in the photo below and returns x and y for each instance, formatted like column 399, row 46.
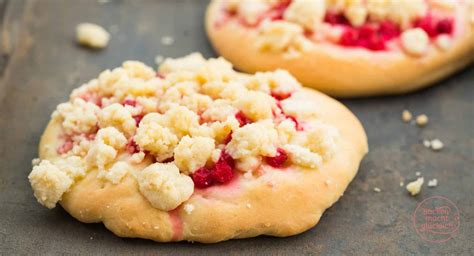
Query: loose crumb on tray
column 432, row 183
column 377, row 190
column 414, row 187
column 422, row 120
column 436, row 145
column 406, row 116
column 167, row 40
column 92, row 35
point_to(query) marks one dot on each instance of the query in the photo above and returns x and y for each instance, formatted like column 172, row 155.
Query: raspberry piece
column 367, row 31
column 225, row 157
column 138, row 119
column 242, row 118
column 159, row 75
column 297, row 124
column 444, row 26
column 202, row 177
column 376, row 43
column 132, row 147
column 278, row 160
column 92, row 97
column 349, row 37
column 65, row 147
column 222, row 172
column 426, row 23
column 276, row 13
column 280, row 96
column 389, row 30
column 129, row 102
column 335, row 18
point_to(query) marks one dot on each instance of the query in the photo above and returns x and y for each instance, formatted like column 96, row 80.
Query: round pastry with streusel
column 197, row 152
column 347, row 48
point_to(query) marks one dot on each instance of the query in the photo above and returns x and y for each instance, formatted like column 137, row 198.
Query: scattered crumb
column 401, row 183
column 35, row 161
column 436, row 145
column 378, row 190
column 414, row 187
column 427, row 143
column 92, row 35
column 432, row 183
column 91, row 238
column 159, row 59
column 249, row 205
column 406, row 116
column 422, row 120
column 167, row 40
column 188, row 208
column 417, row 173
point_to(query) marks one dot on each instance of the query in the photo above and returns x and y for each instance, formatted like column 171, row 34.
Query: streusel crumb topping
column 193, row 124
column 292, row 26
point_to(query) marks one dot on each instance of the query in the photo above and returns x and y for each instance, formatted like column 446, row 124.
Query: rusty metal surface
column 40, row 64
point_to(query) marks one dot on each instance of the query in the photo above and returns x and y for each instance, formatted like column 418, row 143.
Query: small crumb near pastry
column 377, row 190
column 167, row 40
column 414, row 187
column 35, row 161
column 427, row 143
column 92, row 35
column 433, row 183
column 436, row 145
column 406, row 116
column 422, row 120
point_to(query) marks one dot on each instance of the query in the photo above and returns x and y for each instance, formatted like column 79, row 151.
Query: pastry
column 197, row 152
column 347, row 48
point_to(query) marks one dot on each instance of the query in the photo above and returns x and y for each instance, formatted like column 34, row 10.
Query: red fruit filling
column 434, row 27
column 277, row 11
column 445, row 26
column 92, row 97
column 297, row 124
column 132, row 147
column 202, row 177
column 335, row 18
column 278, row 160
column 158, row 74
column 138, row 119
column 220, row 173
column 129, row 102
column 280, row 96
column 65, row 147
column 370, row 36
column 242, row 118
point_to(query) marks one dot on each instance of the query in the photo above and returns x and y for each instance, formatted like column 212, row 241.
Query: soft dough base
column 342, row 73
column 277, row 203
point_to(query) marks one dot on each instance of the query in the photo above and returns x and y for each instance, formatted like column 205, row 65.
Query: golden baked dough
column 269, row 201
column 341, row 71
